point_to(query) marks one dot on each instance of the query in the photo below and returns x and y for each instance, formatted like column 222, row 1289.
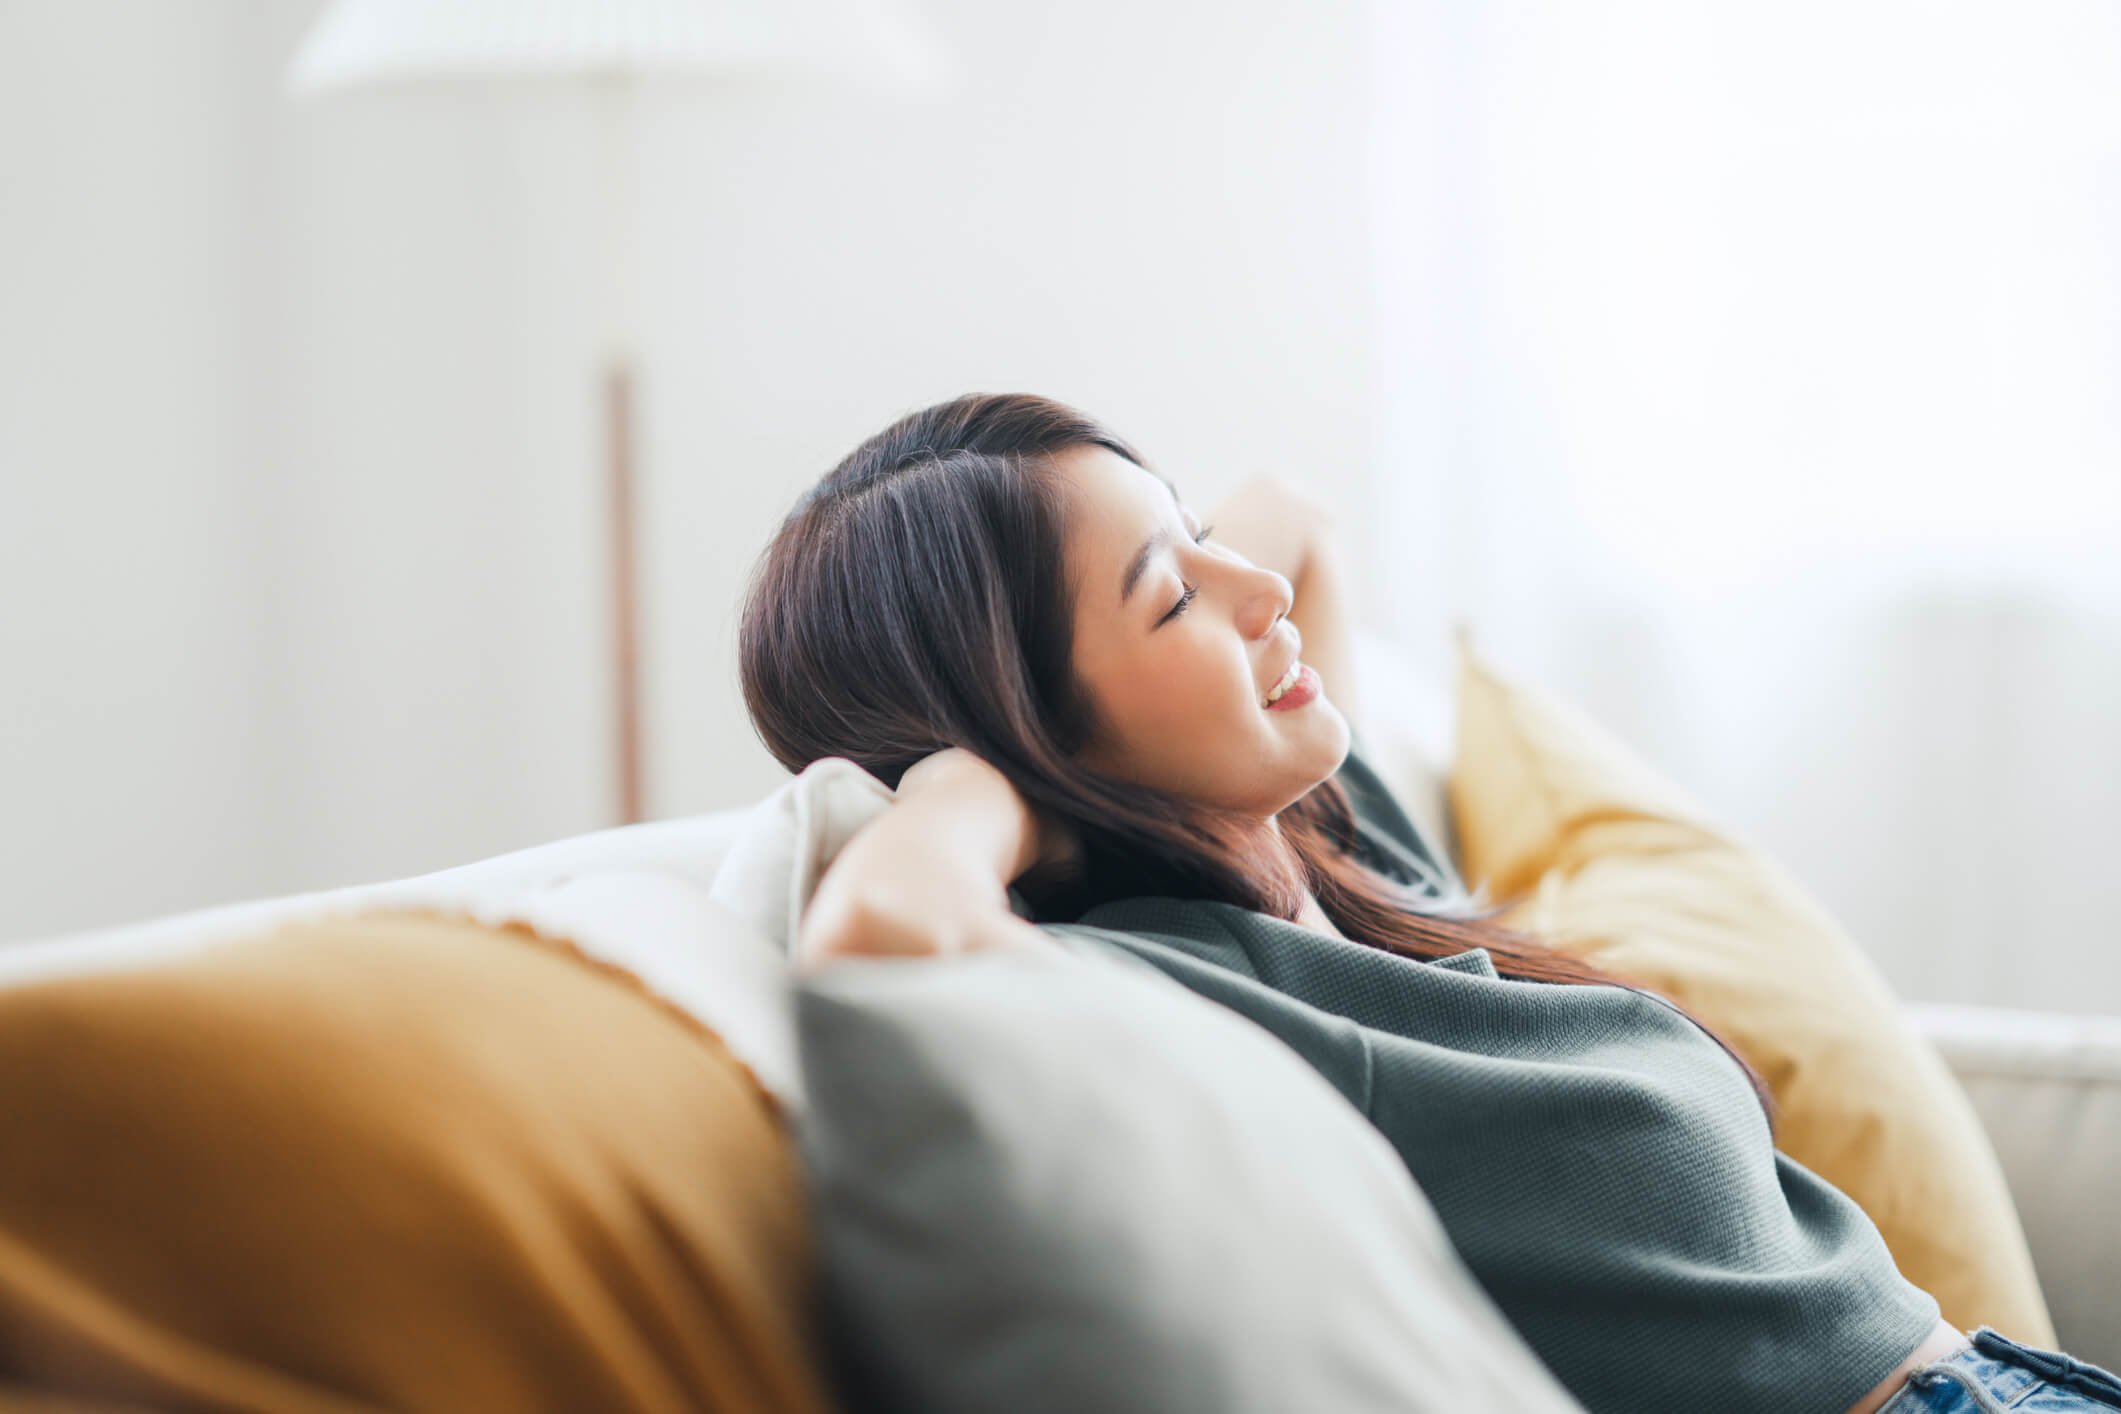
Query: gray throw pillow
column 1054, row 1179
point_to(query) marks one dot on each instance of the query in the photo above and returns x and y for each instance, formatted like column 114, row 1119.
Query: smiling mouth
column 1288, row 680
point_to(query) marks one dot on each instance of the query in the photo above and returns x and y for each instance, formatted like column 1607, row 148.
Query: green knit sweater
column 1599, row 1162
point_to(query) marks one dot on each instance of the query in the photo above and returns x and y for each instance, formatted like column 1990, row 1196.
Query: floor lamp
column 610, row 45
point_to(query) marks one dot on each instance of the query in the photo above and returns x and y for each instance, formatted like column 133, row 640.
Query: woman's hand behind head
column 929, row 876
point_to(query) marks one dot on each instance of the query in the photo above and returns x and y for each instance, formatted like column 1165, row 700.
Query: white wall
column 139, row 735
column 298, row 520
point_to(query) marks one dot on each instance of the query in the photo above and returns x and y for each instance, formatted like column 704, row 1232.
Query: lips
column 1282, row 684
column 1293, row 665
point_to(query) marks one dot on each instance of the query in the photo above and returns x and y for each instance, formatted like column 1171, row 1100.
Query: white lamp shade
column 878, row 44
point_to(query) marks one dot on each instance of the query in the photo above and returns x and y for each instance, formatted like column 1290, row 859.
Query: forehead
column 1112, row 505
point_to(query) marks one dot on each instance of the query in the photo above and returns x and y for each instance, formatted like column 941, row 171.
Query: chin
column 1321, row 754
column 1338, row 733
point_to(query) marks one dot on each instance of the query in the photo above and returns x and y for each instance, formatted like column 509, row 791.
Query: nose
column 1267, row 601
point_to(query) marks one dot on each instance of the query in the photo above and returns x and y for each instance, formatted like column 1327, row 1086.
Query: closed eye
column 1186, row 599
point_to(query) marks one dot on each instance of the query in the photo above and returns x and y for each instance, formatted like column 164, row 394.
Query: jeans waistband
column 1994, row 1373
column 2053, row 1366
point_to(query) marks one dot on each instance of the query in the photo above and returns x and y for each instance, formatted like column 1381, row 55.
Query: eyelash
column 1187, row 597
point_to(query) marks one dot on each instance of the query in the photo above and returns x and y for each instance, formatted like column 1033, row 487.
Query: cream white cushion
column 1060, row 1181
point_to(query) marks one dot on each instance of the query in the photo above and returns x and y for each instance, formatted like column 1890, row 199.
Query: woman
column 1094, row 711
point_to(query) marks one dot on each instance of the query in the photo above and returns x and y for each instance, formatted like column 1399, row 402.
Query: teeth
column 1288, row 680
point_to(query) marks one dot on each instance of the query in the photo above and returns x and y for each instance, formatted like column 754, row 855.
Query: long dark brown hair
column 917, row 598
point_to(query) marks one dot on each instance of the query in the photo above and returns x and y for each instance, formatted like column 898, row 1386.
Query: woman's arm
column 931, row 874
column 1279, row 528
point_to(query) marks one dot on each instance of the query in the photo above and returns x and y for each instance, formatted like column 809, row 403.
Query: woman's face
column 1183, row 693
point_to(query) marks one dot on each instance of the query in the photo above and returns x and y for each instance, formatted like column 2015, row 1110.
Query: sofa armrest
column 2048, row 1089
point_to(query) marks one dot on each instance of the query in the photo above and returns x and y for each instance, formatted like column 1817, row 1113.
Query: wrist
column 965, row 803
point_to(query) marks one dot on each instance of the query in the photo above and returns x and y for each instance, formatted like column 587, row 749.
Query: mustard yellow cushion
column 1615, row 864
column 392, row 1162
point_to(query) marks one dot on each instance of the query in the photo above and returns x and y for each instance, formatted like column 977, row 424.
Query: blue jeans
column 1998, row 1376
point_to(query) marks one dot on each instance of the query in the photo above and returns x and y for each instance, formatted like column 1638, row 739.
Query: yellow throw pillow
column 392, row 1162
column 1614, row 864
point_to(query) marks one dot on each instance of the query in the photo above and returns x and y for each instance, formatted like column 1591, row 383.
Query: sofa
column 2047, row 1088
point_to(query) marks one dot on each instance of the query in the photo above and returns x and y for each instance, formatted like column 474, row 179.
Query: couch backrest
column 691, row 848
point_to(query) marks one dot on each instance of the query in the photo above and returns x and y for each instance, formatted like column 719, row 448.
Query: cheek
column 1174, row 696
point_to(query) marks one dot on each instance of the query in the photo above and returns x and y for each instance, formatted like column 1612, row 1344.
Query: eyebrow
column 1158, row 538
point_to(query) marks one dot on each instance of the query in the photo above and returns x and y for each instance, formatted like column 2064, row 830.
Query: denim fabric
column 1994, row 1375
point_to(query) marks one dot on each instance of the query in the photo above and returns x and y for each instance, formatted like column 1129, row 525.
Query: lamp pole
column 878, row 45
column 617, row 218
